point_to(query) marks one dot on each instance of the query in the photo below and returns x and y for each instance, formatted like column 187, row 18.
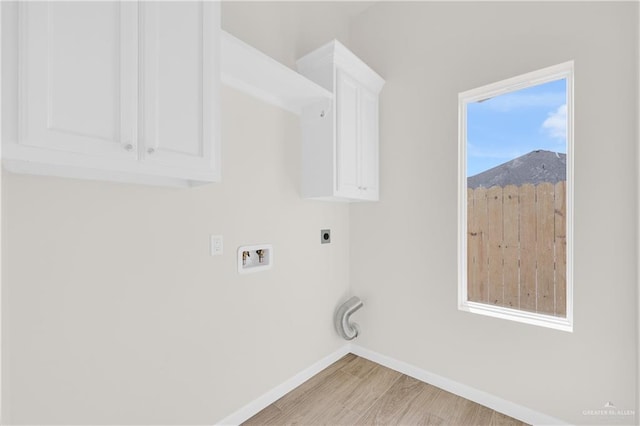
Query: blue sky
column 510, row 125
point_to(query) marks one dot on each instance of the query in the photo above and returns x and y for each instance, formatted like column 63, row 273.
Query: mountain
column 535, row 167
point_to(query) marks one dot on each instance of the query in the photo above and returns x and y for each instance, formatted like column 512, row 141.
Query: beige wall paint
column 406, row 271
column 114, row 312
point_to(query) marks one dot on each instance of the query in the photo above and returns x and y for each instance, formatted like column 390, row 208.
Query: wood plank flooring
column 356, row 391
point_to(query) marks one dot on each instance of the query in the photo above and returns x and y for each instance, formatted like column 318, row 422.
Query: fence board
column 473, row 238
column 511, row 247
column 477, row 289
column 545, row 206
column 560, row 226
column 495, row 238
column 527, row 228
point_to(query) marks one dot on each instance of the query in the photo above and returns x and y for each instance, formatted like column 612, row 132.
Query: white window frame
column 546, row 75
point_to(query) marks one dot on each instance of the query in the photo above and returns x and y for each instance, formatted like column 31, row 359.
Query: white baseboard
column 509, row 408
column 503, row 406
column 255, row 406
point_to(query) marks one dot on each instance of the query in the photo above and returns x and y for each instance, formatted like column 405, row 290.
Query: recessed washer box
column 255, row 258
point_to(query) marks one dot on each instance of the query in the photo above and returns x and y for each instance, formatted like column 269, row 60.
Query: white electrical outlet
column 216, row 245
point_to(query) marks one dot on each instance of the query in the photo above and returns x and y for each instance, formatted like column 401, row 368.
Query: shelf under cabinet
column 247, row 69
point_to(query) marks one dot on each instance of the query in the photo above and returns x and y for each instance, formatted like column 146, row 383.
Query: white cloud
column 556, row 123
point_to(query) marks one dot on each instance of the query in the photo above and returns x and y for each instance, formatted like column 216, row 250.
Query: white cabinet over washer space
column 340, row 143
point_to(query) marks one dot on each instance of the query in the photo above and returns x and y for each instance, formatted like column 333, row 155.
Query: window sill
column 532, row 318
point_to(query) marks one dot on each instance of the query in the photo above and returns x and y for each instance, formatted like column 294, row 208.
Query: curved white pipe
column 344, row 328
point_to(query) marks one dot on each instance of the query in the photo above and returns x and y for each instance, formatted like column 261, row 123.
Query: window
column 516, row 198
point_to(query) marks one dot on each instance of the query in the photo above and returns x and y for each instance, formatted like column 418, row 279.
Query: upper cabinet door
column 368, row 144
column 347, row 134
column 180, row 75
column 78, row 77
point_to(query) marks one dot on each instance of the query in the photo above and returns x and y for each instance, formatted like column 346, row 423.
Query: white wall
column 113, row 312
column 406, row 270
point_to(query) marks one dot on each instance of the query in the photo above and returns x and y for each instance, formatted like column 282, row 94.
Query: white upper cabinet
column 77, row 78
column 177, row 70
column 340, row 141
column 368, row 145
column 124, row 91
column 347, row 123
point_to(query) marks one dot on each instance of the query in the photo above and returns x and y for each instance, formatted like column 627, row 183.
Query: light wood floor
column 355, row 391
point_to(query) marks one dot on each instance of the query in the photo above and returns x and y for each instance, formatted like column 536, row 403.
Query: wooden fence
column 516, row 247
